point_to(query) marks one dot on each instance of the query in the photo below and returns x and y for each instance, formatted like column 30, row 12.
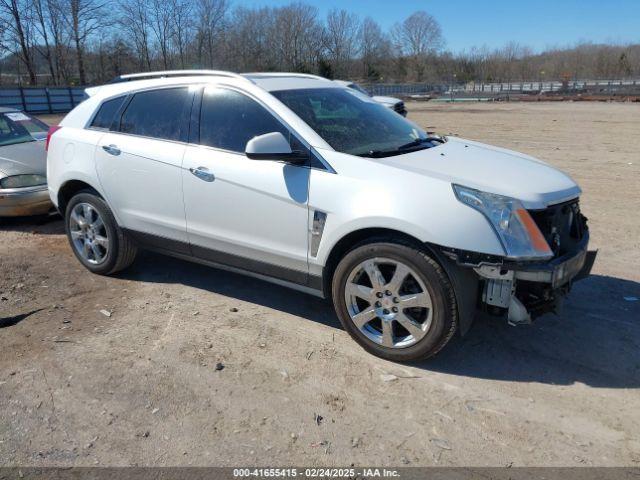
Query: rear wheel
column 394, row 300
column 95, row 237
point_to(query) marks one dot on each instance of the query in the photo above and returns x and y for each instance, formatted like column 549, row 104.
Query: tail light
column 53, row 129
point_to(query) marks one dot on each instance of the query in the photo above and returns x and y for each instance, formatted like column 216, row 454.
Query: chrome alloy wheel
column 89, row 234
column 388, row 302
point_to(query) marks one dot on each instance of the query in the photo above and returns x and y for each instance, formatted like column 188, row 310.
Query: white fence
column 592, row 86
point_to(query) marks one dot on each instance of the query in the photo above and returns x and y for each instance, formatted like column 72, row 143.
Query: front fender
column 335, row 231
column 371, row 195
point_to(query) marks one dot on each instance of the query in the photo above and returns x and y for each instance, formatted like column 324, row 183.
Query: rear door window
column 106, row 113
column 161, row 114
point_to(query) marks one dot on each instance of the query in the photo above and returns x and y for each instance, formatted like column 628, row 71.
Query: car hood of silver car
column 23, row 158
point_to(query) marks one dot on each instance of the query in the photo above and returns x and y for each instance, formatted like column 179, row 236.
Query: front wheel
column 394, row 300
column 95, row 237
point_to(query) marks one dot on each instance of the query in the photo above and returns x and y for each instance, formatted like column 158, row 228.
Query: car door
column 249, row 214
column 139, row 165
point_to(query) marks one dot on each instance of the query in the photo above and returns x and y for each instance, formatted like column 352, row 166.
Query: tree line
column 67, row 42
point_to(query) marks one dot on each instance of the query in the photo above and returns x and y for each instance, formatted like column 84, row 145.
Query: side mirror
column 273, row 146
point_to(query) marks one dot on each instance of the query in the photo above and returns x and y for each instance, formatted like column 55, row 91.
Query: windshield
column 18, row 127
column 353, row 123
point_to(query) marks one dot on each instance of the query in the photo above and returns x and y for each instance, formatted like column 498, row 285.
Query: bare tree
column 526, row 70
column 249, row 41
column 211, row 15
column 510, row 53
column 46, row 50
column 161, row 25
column 60, row 38
column 135, row 20
column 341, row 33
column 374, row 47
column 297, row 37
column 17, row 23
column 85, row 17
column 181, row 28
column 112, row 58
column 73, row 38
column 418, row 37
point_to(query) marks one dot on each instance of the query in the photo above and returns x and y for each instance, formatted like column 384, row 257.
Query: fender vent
column 317, row 228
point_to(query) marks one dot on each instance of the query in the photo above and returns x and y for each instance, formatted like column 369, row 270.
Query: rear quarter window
column 106, row 113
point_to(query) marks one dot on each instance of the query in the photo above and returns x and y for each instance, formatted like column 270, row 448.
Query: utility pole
column 453, row 77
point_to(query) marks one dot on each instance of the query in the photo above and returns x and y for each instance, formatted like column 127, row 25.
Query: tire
column 431, row 324
column 110, row 256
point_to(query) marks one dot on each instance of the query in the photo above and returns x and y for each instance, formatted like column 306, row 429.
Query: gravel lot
column 141, row 387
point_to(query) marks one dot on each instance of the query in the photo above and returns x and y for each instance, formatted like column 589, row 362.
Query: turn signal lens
column 537, row 239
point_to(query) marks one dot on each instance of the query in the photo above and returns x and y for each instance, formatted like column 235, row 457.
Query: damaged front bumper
column 521, row 291
column 559, row 271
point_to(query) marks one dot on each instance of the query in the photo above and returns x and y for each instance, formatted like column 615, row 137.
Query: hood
column 491, row 169
column 28, row 157
column 386, row 100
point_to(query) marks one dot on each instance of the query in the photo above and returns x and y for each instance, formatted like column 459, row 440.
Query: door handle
column 111, row 149
column 203, row 173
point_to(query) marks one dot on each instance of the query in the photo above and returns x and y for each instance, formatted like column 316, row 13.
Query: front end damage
column 520, row 291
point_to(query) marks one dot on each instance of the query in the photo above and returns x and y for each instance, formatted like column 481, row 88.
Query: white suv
column 298, row 180
column 393, row 103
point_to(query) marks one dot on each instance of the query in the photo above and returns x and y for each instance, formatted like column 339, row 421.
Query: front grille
column 562, row 225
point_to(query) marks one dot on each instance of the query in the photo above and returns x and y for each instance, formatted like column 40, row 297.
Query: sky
column 539, row 24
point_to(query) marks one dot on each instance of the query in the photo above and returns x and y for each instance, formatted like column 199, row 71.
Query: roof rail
column 173, row 73
column 282, row 74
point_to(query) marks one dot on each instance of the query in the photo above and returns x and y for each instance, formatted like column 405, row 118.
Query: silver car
column 23, row 164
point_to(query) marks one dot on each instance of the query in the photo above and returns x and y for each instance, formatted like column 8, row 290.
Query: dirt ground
column 141, row 387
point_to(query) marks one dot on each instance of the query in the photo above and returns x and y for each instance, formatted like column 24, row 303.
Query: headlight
column 19, row 181
column 517, row 231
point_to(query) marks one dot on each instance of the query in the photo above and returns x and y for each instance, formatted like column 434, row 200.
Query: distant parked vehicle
column 23, row 164
column 393, row 103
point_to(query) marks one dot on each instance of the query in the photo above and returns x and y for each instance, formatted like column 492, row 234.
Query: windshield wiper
column 379, row 153
column 419, row 141
column 406, row 148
